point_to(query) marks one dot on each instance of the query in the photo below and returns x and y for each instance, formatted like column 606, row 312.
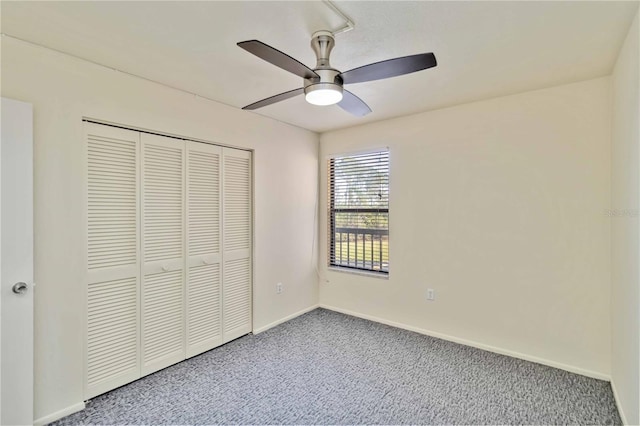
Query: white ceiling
column 484, row 49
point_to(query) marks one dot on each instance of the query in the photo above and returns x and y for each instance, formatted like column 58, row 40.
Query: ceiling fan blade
column 353, row 104
column 275, row 98
column 389, row 68
column 277, row 58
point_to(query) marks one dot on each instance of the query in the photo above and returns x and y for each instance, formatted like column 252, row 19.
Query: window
column 359, row 212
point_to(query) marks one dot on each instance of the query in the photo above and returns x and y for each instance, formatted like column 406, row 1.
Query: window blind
column 359, row 211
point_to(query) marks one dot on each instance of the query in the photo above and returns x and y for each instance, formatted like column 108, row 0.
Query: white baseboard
column 501, row 351
column 285, row 319
column 617, row 399
column 59, row 414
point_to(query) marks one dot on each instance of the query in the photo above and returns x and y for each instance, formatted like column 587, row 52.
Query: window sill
column 356, row 272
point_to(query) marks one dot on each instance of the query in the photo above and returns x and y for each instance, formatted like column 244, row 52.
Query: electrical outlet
column 431, row 294
column 279, row 288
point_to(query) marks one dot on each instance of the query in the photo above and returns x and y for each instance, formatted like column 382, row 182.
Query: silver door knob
column 19, row 288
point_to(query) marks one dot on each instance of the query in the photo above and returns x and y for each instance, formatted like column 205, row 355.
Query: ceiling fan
column 323, row 85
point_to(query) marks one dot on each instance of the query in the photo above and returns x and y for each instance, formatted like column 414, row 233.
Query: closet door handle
column 165, row 268
column 204, row 261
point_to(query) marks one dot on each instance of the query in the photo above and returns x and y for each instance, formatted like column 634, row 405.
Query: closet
column 168, row 252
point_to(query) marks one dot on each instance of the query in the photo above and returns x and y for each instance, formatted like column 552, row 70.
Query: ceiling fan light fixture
column 323, row 94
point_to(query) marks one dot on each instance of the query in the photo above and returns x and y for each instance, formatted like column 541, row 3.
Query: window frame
column 332, row 241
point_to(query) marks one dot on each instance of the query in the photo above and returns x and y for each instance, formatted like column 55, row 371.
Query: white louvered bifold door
column 204, row 232
column 113, row 268
column 163, row 244
column 237, row 237
column 169, row 246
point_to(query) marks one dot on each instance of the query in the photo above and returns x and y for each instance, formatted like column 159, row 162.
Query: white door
column 16, row 265
column 113, row 265
column 204, row 230
column 237, row 238
column 163, row 235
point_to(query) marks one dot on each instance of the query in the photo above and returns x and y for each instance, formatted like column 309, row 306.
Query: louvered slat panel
column 236, row 271
column 112, row 198
column 204, row 202
column 163, row 201
column 237, row 295
column 112, row 330
column 237, row 203
column 162, row 319
column 204, row 325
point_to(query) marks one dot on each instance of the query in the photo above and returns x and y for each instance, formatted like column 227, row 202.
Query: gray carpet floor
column 329, row 368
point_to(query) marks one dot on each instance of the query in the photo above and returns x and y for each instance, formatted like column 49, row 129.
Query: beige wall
column 499, row 206
column 625, row 233
column 62, row 91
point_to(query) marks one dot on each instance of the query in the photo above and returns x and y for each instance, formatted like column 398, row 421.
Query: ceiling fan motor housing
column 322, row 42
